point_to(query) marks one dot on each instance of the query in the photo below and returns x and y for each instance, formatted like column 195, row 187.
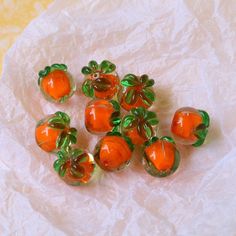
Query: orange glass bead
column 161, row 158
column 56, row 84
column 139, row 125
column 54, row 132
column 75, row 167
column 190, row 126
column 136, row 92
column 113, row 152
column 101, row 80
column 101, row 115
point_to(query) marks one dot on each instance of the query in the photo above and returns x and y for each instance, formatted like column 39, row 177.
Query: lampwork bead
column 161, row 158
column 113, row 152
column 136, row 91
column 101, row 80
column 56, row 84
column 102, row 115
column 139, row 125
column 53, row 132
column 190, row 126
column 75, row 167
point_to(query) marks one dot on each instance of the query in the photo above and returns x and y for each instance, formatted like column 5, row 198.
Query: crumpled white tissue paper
column 189, row 49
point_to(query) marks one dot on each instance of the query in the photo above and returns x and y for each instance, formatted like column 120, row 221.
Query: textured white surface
column 189, row 48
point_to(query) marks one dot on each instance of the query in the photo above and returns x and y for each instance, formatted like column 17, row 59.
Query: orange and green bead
column 139, row 125
column 54, row 132
column 190, row 126
column 56, row 84
column 101, row 80
column 160, row 156
column 102, row 116
column 75, row 166
column 136, row 92
column 113, row 152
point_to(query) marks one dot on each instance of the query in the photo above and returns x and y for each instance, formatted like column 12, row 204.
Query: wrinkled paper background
column 188, row 47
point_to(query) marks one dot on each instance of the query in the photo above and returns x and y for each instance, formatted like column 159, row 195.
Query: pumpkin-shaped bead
column 102, row 115
column 190, row 126
column 113, row 151
column 56, row 84
column 136, row 91
column 101, row 80
column 54, row 132
column 161, row 158
column 139, row 125
column 75, row 167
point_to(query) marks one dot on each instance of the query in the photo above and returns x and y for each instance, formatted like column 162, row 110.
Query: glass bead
column 190, row 126
column 53, row 132
column 136, row 92
column 139, row 125
column 101, row 80
column 161, row 158
column 102, row 115
column 113, row 152
column 56, row 84
column 75, row 167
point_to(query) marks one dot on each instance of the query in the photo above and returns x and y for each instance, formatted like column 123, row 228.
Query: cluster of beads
column 102, row 116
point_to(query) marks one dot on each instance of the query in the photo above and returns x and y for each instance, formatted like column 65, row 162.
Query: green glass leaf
column 76, row 152
column 62, row 170
column 145, row 99
column 115, row 105
column 129, row 142
column 73, row 131
column 107, row 67
column 129, row 98
column 55, row 119
column 129, row 80
column 148, row 130
column 62, row 155
column 87, row 88
column 42, row 73
column 114, row 134
column 149, row 94
column 144, row 78
column 139, row 112
column 93, row 65
column 116, row 121
column 57, row 164
column 150, row 115
column 198, row 143
column 153, row 121
column 149, row 83
column 59, row 67
column 60, row 139
column 47, row 70
column 63, row 116
column 128, row 121
column 205, row 117
column 73, row 139
column 201, row 131
column 39, row 80
column 115, row 129
column 86, row 70
column 64, row 140
column 168, row 139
